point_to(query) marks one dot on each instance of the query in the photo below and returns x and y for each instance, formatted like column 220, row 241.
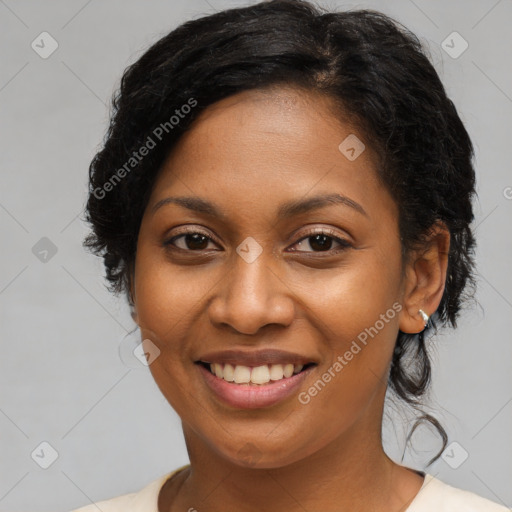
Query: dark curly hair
column 373, row 68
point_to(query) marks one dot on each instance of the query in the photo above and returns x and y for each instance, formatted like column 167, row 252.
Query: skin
column 248, row 154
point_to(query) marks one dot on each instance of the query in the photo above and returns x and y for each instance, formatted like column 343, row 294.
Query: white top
column 433, row 496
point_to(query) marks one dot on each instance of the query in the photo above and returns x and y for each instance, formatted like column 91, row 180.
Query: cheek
column 352, row 381
column 358, row 313
column 166, row 294
column 168, row 299
column 345, row 301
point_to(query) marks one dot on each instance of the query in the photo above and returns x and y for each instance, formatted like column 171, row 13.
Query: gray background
column 65, row 374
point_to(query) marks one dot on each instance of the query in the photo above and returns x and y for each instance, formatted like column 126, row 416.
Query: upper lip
column 254, row 357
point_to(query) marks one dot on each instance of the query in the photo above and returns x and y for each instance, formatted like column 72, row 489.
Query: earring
column 424, row 316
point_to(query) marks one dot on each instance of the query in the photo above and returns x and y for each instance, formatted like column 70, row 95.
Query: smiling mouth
column 257, row 375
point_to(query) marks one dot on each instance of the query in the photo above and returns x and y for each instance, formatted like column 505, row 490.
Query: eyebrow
column 286, row 210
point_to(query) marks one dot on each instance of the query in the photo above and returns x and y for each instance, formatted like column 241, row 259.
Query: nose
column 252, row 296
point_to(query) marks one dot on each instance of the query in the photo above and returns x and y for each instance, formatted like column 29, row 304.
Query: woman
column 284, row 195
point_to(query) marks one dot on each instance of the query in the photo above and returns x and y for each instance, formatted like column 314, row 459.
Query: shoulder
column 145, row 500
column 439, row 496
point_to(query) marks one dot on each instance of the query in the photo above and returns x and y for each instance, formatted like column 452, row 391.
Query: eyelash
column 310, row 233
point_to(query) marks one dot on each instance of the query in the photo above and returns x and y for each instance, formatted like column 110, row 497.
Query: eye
column 193, row 241
column 321, row 241
column 318, row 240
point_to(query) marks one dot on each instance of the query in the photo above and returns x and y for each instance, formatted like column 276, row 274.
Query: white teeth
column 276, row 372
column 242, row 374
column 260, row 375
column 288, row 370
column 256, row 375
column 229, row 373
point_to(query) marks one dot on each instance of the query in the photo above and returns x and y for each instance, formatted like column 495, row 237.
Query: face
column 287, row 252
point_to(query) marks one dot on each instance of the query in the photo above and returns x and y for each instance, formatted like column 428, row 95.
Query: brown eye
column 322, row 241
column 319, row 241
column 190, row 241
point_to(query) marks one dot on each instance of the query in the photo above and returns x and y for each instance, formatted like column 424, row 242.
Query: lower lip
column 253, row 396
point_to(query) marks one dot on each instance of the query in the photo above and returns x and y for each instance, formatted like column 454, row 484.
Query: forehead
column 284, row 120
column 262, row 146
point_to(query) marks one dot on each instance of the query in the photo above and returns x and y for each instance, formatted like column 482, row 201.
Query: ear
column 425, row 277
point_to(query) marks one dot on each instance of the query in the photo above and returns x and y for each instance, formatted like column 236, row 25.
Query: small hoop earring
column 424, row 316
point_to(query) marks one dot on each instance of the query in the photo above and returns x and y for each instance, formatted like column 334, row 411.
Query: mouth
column 254, row 375
column 253, row 387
